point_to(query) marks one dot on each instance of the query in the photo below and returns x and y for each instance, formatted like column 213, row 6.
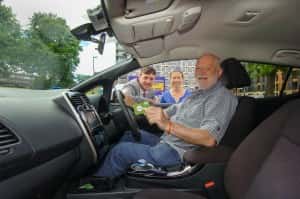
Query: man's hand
column 154, row 100
column 151, row 101
column 155, row 115
column 129, row 101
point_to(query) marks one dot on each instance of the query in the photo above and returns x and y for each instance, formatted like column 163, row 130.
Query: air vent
column 78, row 99
column 7, row 138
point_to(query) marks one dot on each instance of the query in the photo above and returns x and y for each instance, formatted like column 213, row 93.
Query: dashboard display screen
column 89, row 117
column 92, row 119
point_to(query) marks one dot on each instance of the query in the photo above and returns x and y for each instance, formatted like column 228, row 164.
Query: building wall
column 185, row 66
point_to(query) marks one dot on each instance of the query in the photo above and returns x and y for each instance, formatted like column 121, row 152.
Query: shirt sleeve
column 217, row 115
column 188, row 92
column 128, row 90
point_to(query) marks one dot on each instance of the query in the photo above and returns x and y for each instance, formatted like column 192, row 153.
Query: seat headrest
column 234, row 74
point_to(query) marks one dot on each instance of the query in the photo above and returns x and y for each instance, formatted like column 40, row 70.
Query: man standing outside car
column 200, row 121
column 140, row 89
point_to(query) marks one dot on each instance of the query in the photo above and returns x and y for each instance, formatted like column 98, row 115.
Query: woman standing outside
column 177, row 93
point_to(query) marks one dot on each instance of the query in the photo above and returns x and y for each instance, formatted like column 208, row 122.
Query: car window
column 293, row 82
column 97, row 90
column 38, row 50
column 266, row 80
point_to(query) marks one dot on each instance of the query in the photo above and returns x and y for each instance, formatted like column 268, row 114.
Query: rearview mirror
column 84, row 32
column 101, row 43
column 99, row 25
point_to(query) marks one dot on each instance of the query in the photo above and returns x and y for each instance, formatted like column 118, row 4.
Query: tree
column 10, row 39
column 46, row 49
column 56, row 49
column 264, row 70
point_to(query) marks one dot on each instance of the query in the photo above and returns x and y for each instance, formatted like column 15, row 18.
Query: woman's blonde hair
column 176, row 71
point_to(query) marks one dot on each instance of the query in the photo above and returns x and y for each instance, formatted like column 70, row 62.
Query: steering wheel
column 129, row 115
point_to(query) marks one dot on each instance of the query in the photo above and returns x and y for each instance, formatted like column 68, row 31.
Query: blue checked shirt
column 209, row 110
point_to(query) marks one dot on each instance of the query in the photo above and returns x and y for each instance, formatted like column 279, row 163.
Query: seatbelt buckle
column 212, row 190
column 209, row 185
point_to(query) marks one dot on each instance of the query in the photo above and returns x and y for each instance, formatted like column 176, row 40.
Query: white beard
column 209, row 85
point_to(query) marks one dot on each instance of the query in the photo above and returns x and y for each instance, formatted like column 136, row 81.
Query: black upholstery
column 243, row 121
column 241, row 124
column 209, row 155
column 234, row 74
column 266, row 163
column 164, row 193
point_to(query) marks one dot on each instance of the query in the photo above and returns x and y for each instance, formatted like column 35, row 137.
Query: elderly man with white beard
column 200, row 121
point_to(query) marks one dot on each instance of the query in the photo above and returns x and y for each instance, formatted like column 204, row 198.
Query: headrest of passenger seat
column 234, row 74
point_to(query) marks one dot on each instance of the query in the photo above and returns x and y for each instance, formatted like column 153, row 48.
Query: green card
column 139, row 108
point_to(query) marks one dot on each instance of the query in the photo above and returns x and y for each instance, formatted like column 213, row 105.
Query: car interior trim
column 84, row 130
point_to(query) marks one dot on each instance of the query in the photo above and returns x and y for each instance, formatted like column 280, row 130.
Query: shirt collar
column 211, row 89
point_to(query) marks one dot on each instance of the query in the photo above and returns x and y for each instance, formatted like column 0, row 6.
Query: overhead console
column 136, row 8
column 142, row 26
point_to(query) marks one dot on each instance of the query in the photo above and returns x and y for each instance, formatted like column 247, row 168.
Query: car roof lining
column 218, row 30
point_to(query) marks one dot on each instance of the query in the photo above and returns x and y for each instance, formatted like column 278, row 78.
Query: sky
column 74, row 13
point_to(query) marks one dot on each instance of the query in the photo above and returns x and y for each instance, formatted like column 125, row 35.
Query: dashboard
column 45, row 135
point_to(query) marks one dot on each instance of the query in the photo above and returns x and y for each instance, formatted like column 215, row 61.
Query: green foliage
column 53, row 41
column 80, row 77
column 256, row 70
column 10, row 34
column 46, row 49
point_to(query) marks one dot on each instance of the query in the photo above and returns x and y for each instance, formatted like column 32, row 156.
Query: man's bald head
column 211, row 58
column 208, row 70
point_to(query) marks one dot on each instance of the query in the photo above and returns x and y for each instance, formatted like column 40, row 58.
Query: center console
column 88, row 119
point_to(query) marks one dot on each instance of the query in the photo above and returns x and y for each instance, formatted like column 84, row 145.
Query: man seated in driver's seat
column 200, row 121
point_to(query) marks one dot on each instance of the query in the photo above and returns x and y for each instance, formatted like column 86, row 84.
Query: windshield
column 37, row 50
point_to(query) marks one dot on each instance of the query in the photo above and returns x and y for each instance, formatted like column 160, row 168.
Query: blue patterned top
column 168, row 98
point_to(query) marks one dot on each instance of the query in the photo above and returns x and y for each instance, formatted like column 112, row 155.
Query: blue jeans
column 128, row 151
